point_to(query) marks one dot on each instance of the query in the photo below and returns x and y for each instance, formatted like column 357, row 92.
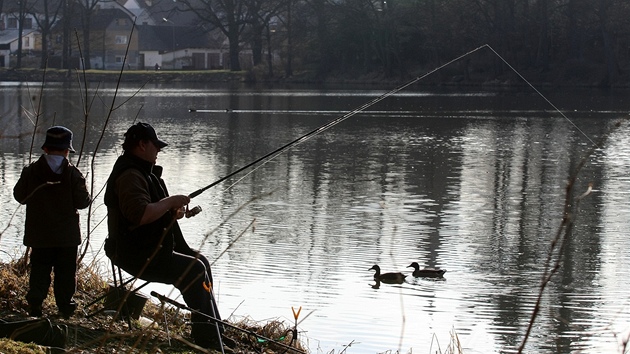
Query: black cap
column 58, row 138
column 143, row 131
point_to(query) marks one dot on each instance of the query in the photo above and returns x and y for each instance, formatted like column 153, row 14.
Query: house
column 140, row 10
column 110, row 35
column 112, row 40
column 169, row 39
column 181, row 47
column 161, row 36
column 174, row 39
column 9, row 37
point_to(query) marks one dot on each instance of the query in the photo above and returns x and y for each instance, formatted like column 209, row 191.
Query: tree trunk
column 21, row 17
column 288, row 70
column 257, row 43
column 65, row 33
column 269, row 53
column 542, row 57
column 322, row 37
column 235, row 64
column 574, row 32
column 86, row 41
column 44, row 56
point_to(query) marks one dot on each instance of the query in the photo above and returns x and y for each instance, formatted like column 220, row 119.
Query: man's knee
column 192, row 274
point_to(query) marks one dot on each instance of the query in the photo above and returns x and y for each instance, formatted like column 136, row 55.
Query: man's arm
column 154, row 211
column 135, row 200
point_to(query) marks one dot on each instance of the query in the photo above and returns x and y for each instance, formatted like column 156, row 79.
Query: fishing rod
column 166, row 299
column 326, row 126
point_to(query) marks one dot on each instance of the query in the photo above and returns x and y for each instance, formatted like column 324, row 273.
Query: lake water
column 472, row 181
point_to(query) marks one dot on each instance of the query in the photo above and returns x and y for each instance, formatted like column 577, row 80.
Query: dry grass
column 101, row 333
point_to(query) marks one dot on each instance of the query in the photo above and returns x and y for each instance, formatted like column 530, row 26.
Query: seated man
column 144, row 237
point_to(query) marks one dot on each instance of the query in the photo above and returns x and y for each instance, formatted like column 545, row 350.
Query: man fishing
column 145, row 239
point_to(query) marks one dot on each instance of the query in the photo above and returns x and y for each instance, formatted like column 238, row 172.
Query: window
column 27, row 42
column 28, row 23
column 119, row 59
column 121, row 21
column 12, row 23
column 121, row 39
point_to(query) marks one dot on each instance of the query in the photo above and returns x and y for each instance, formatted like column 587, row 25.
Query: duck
column 426, row 272
column 388, row 278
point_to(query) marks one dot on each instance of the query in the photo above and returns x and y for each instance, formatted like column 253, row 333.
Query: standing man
column 144, row 237
column 53, row 189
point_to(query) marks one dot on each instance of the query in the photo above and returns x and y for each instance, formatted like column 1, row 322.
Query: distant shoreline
column 57, row 75
column 224, row 76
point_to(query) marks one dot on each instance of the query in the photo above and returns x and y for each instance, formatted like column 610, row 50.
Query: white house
column 9, row 36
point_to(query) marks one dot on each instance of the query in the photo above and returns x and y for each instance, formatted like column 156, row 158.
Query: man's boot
column 206, row 335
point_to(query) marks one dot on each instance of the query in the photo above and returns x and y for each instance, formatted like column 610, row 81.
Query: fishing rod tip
column 192, row 110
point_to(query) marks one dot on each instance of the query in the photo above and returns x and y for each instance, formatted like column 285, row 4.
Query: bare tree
column 22, row 10
column 66, row 51
column 604, row 7
column 87, row 9
column 229, row 16
column 288, row 70
column 260, row 14
column 46, row 16
column 323, row 38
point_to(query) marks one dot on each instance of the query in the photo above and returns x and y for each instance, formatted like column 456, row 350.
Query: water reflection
column 469, row 182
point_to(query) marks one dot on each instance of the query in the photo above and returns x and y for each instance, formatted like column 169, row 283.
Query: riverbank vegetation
column 159, row 329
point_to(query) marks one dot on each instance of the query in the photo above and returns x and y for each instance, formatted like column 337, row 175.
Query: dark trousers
column 61, row 260
column 190, row 273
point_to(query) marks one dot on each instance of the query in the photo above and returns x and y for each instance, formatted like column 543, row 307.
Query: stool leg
column 215, row 314
column 168, row 334
column 124, row 305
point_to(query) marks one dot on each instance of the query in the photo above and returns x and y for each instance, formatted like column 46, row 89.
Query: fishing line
column 540, row 94
column 273, row 154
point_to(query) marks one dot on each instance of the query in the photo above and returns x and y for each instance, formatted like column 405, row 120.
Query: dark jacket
column 128, row 244
column 52, row 200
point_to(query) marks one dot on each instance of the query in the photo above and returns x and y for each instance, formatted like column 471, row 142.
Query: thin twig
column 100, row 139
column 565, row 229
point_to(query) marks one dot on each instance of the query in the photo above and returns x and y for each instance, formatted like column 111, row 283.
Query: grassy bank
column 160, row 329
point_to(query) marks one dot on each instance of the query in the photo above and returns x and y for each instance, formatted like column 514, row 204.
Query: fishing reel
column 192, row 212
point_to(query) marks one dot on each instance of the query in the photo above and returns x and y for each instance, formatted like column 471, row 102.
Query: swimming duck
column 426, row 272
column 388, row 278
